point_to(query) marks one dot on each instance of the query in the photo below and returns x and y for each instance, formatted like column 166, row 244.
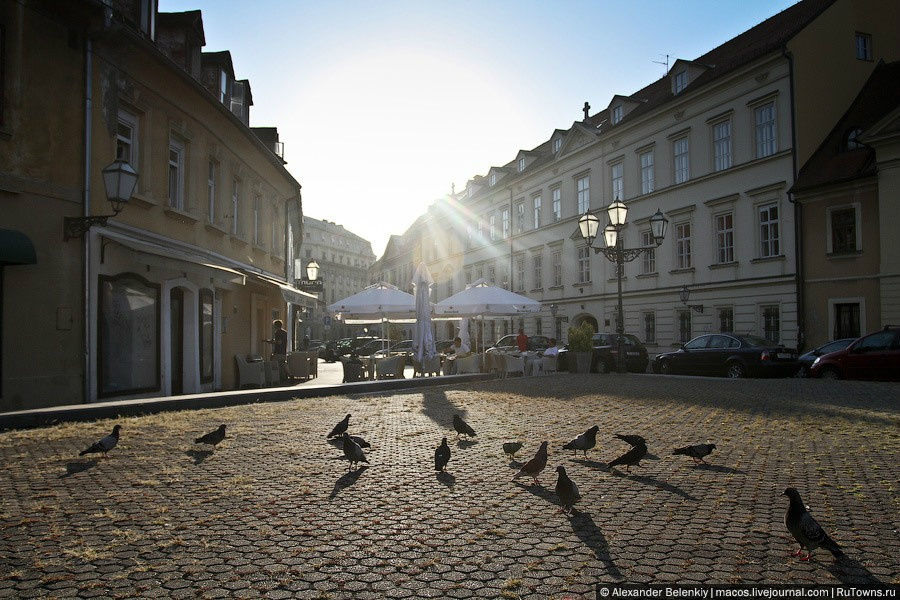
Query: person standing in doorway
column 279, row 346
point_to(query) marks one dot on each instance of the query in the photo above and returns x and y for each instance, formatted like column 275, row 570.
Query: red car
column 874, row 356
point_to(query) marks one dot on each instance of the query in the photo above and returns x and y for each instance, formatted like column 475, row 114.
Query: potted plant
column 580, row 346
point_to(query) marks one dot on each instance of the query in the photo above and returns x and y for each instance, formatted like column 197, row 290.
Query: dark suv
column 874, row 356
column 605, row 351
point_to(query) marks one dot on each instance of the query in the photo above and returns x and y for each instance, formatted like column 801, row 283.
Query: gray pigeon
column 461, row 427
column 340, row 428
column 353, row 452
column 583, row 442
column 511, row 448
column 441, row 455
column 808, row 533
column 105, row 444
column 213, row 437
column 633, row 456
column 696, row 452
column 566, row 490
column 534, row 466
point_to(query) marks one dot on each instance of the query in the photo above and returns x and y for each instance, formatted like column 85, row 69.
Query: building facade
column 160, row 297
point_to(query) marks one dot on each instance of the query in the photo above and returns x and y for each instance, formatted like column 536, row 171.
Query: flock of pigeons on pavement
column 799, row 522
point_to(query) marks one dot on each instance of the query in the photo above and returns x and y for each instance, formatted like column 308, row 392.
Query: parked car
column 604, row 353
column 404, row 347
column 508, row 343
column 874, row 356
column 373, row 346
column 729, row 354
column 443, row 346
column 806, row 360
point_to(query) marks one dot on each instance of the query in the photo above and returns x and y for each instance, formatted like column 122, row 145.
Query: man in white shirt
column 552, row 350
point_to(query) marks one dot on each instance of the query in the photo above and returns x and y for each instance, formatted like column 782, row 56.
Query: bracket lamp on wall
column 119, row 179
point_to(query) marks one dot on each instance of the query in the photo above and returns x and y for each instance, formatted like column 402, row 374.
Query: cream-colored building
column 161, row 297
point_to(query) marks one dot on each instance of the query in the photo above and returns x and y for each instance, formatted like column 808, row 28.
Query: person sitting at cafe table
column 454, row 352
column 552, row 350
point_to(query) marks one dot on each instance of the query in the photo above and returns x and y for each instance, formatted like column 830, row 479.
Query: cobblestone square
column 273, row 511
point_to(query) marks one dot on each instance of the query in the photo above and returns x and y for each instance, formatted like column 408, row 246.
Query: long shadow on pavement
column 718, row 469
column 346, row 480
column 657, row 484
column 440, row 409
column 851, row 572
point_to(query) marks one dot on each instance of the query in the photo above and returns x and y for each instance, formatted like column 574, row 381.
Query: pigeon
column 213, row 437
column 632, row 457
column 461, row 427
column 352, row 451
column 511, row 448
column 583, row 442
column 808, row 533
column 105, row 444
column 441, row 455
column 696, row 452
column 360, row 441
column 339, row 428
column 566, row 490
column 534, row 466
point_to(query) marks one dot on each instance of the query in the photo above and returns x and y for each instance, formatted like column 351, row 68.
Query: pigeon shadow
column 446, row 478
column 718, row 469
column 668, row 487
column 587, row 531
column 198, row 456
column 437, row 407
column 73, row 468
column 540, row 491
column 346, row 480
column 515, row 464
column 594, row 464
column 650, row 456
column 465, row 443
column 851, row 572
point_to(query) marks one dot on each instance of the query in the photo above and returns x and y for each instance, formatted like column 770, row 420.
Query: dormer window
column 681, row 81
column 521, row 165
column 557, row 144
column 852, row 139
column 616, row 114
column 493, row 178
column 223, row 86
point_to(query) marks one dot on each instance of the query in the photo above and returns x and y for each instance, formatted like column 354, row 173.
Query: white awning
column 290, row 294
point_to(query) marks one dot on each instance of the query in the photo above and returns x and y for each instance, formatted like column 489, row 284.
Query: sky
column 382, row 105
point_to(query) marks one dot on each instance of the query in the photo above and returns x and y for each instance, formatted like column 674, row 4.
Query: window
column 851, row 141
column 683, row 246
column 843, row 230
column 257, row 221
column 493, row 227
column 765, row 130
column 493, row 178
column 725, row 238
column 492, row 274
column 846, row 320
column 768, row 230
column 538, row 326
column 726, row 320
column 236, row 208
column 520, row 274
column 176, row 174
column 684, row 326
column 520, row 217
column 584, row 264
column 206, row 336
column 276, row 239
column 863, row 46
column 617, row 179
column 505, row 223
column 223, row 86
column 648, row 181
column 771, row 323
column 469, row 236
column 2, row 70
column 211, row 198
column 648, row 259
column 537, row 268
column 468, row 276
column 582, row 186
column 649, row 328
column 557, row 204
column 557, row 144
column 521, row 165
column 722, row 145
column 126, row 138
column 682, row 160
column 617, row 114
column 556, row 262
column 536, row 201
column 681, row 81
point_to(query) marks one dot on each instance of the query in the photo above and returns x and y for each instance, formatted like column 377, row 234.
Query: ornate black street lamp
column 119, row 179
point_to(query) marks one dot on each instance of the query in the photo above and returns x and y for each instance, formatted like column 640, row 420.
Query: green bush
column 580, row 338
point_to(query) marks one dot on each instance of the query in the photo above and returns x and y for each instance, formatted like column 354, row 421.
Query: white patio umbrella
column 377, row 303
column 464, row 333
column 423, row 334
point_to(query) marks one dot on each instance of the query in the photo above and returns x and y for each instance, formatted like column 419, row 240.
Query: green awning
column 16, row 248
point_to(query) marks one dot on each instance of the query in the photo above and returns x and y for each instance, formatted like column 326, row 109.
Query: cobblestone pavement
column 274, row 512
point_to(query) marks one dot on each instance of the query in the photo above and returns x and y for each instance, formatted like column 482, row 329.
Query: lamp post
column 312, row 274
column 616, row 252
column 685, row 295
column 119, row 179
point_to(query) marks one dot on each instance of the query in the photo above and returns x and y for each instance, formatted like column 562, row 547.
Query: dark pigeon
column 213, row 437
column 583, row 442
column 534, row 466
column 352, row 451
column 566, row 490
column 105, row 444
column 511, row 448
column 441, row 455
column 360, row 441
column 634, row 440
column 696, row 452
column 808, row 533
column 340, row 428
column 461, row 427
column 633, row 456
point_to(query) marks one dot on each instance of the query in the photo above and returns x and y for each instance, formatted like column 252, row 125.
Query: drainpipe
column 512, row 213
column 798, row 213
column 86, row 243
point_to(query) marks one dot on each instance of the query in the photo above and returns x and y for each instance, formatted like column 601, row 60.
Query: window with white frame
column 236, row 208
column 681, row 81
column 617, row 177
column 722, row 145
column 725, row 238
column 176, row 174
column 648, row 179
column 649, row 328
column 492, row 274
column 583, row 194
column 481, row 230
column 617, row 114
column 223, row 86
column 556, row 263
column 771, row 325
column 211, row 196
column 536, row 204
column 766, row 144
column 681, row 151
column 469, row 235
column 584, row 264
column 493, row 227
column 276, row 246
column 863, row 46
column 537, row 271
column 479, row 272
column 684, row 325
column 520, row 274
column 493, row 178
column 648, row 258
column 520, row 217
column 726, row 319
column 683, row 245
column 556, row 195
column 505, row 223
column 768, row 231
column 557, row 144
column 843, row 229
column 538, row 326
column 521, row 164
column 127, row 138
column 468, row 276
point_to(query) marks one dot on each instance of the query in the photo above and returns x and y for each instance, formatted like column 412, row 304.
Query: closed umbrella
column 423, row 334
